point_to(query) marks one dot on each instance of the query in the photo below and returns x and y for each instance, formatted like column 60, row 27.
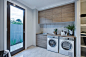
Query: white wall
column 29, row 27
column 1, row 25
column 36, row 26
column 77, row 32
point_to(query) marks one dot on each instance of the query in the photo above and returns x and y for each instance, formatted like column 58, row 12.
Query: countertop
column 55, row 35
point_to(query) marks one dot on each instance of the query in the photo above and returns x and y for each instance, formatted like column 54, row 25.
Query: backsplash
column 49, row 28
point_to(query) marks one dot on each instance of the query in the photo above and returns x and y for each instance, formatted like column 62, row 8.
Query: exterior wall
column 16, row 33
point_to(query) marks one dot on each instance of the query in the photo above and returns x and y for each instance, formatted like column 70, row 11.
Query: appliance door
column 66, row 45
column 52, row 43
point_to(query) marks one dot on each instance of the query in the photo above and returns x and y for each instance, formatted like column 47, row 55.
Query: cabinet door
column 42, row 20
column 57, row 18
column 41, row 13
column 48, row 19
column 68, row 13
column 41, row 17
column 48, row 16
column 41, row 41
column 67, row 19
column 57, row 12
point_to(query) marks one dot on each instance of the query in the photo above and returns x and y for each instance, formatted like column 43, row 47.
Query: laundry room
column 43, row 28
column 57, row 30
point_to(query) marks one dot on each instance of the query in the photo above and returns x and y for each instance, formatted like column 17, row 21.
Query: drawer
column 42, row 44
column 43, row 39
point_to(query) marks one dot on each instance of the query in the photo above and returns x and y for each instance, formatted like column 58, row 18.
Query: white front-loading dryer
column 52, row 43
column 66, row 46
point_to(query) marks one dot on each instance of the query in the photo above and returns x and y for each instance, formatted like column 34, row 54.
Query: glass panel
column 16, row 28
column 66, row 45
column 52, row 43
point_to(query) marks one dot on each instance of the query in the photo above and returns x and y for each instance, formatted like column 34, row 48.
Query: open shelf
column 83, row 33
column 83, row 0
column 83, row 17
column 83, row 27
column 82, row 56
column 83, row 24
column 83, row 36
column 84, row 46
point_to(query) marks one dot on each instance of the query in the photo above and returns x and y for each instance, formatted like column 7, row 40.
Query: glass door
column 15, row 28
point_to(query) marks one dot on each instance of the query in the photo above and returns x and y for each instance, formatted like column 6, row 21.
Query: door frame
column 8, row 26
column 5, row 23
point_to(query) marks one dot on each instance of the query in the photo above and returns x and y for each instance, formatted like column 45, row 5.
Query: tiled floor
column 38, row 52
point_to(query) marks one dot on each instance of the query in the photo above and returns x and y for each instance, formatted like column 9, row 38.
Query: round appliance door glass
column 52, row 43
column 66, row 45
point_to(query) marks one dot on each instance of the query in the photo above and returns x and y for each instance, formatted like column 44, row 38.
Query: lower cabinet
column 41, row 41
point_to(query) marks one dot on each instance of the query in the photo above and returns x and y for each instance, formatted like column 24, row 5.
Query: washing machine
column 66, row 46
column 52, row 43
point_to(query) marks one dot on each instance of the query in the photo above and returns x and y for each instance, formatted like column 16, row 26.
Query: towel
column 7, row 51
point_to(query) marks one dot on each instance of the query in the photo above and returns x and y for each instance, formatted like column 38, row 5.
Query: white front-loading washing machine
column 52, row 43
column 66, row 46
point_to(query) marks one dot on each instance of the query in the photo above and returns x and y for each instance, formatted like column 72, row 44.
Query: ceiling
column 44, row 4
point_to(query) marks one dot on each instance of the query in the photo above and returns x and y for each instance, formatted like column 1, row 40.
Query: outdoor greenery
column 21, row 40
column 13, row 42
column 18, row 21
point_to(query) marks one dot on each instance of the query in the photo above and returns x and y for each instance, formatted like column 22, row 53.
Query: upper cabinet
column 48, row 16
column 41, row 17
column 68, row 13
column 64, row 13
column 57, row 12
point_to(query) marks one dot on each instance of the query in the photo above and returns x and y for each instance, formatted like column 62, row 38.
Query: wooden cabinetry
column 48, row 16
column 57, row 12
column 68, row 13
column 64, row 13
column 41, row 17
column 41, row 41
